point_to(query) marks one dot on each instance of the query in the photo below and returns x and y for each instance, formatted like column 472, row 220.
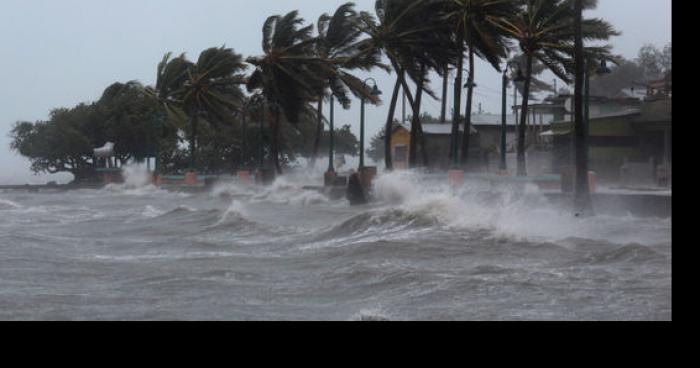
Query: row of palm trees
column 299, row 68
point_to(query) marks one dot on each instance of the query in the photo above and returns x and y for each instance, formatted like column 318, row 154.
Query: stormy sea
column 421, row 251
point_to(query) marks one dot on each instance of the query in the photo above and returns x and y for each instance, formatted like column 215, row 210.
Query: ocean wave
column 515, row 213
column 634, row 253
column 284, row 191
column 7, row 205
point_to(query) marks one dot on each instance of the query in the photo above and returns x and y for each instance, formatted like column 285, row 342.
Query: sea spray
column 517, row 212
column 138, row 182
column 286, row 191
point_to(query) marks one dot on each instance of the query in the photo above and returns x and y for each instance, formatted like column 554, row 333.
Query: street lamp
column 520, row 78
column 603, row 68
column 470, row 84
column 376, row 93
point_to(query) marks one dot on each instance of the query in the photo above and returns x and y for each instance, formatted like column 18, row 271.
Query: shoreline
column 647, row 204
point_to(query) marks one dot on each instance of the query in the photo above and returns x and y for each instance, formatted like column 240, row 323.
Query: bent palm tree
column 340, row 49
column 287, row 73
column 208, row 89
column 403, row 30
column 545, row 32
column 475, row 31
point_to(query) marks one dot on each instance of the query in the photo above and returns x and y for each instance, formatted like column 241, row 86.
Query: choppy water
column 423, row 252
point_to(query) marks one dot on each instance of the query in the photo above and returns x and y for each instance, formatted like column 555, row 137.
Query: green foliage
column 544, row 31
column 651, row 64
column 124, row 115
column 287, row 73
column 203, row 101
column 208, row 90
column 58, row 145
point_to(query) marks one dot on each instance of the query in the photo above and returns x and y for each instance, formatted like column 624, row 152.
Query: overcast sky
column 61, row 53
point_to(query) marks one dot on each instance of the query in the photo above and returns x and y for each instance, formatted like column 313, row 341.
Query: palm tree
column 287, row 74
column 519, row 62
column 545, row 31
column 435, row 51
column 208, row 90
column 339, row 47
column 405, row 31
column 475, row 31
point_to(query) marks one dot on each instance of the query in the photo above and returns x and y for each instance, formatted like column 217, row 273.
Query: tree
column 339, row 46
column 125, row 115
column 650, row 59
column 287, row 73
column 476, row 32
column 60, row 144
column 129, row 120
column 536, row 85
column 544, row 29
column 433, row 50
column 414, row 42
column 205, row 91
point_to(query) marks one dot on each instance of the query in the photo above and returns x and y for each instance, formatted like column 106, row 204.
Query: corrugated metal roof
column 437, row 129
column 623, row 113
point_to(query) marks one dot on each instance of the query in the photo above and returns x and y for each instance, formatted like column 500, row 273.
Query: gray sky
column 61, row 53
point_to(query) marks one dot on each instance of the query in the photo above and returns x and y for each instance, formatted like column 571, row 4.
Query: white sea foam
column 152, row 212
column 7, row 205
column 286, row 191
column 513, row 214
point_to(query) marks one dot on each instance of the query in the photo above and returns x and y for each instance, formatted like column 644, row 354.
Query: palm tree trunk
column 390, row 122
column 445, row 85
column 415, row 122
column 319, row 133
column 274, row 143
column 416, row 125
column 194, row 121
column 468, row 115
column 522, row 163
column 583, row 201
column 456, row 114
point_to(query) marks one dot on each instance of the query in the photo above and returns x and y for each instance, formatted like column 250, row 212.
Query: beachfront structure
column 485, row 141
column 630, row 140
column 107, row 165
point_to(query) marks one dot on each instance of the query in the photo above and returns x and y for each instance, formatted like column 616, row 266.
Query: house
column 628, row 140
column 485, row 141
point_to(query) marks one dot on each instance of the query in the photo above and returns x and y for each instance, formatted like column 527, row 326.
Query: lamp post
column 375, row 92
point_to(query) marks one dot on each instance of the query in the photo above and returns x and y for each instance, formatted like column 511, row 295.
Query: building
column 629, row 139
column 485, row 141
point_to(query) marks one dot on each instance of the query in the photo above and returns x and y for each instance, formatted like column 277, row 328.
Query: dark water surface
column 281, row 253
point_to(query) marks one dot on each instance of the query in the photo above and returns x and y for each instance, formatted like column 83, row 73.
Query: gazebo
column 106, row 164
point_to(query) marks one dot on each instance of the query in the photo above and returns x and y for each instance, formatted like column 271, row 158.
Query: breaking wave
column 7, row 205
column 519, row 213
